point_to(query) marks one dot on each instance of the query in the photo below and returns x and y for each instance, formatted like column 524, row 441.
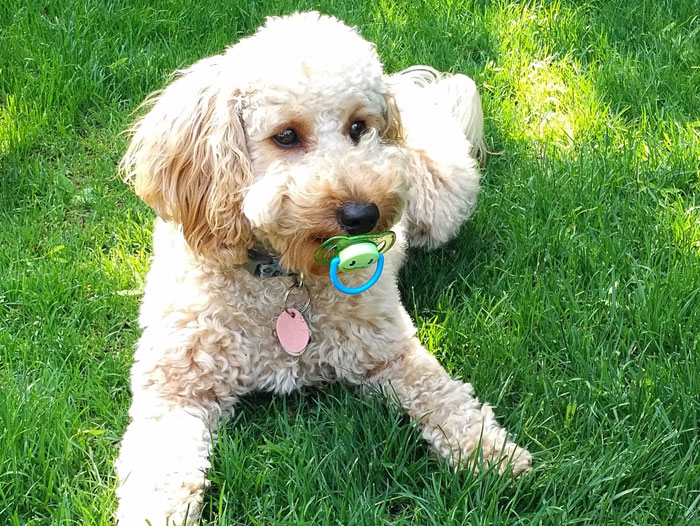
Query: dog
column 251, row 160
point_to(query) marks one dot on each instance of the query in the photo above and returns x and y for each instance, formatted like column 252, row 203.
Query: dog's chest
column 348, row 336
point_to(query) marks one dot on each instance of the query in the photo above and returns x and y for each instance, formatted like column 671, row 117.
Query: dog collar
column 262, row 265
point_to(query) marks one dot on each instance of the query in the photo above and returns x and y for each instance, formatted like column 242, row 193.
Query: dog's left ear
column 188, row 160
column 393, row 131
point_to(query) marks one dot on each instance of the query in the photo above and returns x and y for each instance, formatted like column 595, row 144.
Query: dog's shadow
column 428, row 274
column 333, row 456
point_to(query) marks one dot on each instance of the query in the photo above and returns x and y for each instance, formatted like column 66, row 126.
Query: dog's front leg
column 452, row 418
column 162, row 462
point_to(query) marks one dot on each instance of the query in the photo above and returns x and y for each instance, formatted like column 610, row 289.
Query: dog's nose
column 357, row 217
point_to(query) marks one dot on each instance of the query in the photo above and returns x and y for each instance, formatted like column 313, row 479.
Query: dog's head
column 288, row 138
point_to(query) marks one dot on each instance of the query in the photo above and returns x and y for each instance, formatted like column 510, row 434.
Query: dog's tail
column 460, row 94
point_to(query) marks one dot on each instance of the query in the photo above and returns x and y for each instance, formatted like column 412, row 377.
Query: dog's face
column 285, row 140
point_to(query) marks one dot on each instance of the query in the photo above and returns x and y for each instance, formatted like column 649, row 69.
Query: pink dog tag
column 292, row 331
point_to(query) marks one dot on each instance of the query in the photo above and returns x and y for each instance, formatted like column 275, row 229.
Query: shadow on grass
column 335, row 457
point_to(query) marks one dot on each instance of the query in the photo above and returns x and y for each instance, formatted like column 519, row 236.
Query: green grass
column 571, row 301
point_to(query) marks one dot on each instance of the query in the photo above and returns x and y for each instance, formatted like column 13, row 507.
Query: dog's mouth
column 303, row 232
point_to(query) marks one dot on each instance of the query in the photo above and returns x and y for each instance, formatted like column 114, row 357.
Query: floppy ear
column 393, row 130
column 188, row 160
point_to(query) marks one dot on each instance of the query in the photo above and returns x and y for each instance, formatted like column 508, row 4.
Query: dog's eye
column 286, row 138
column 357, row 128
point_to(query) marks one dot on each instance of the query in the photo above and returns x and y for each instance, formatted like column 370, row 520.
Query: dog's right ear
column 188, row 160
column 393, row 129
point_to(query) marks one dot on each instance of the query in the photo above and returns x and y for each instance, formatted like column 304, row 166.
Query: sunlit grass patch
column 556, row 104
column 18, row 121
column 681, row 218
column 544, row 86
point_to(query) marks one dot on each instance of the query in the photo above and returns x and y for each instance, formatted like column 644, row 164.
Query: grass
column 571, row 301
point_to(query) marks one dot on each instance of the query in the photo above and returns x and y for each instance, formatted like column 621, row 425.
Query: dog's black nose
column 357, row 217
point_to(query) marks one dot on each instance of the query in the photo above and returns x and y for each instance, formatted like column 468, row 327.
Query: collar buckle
column 262, row 265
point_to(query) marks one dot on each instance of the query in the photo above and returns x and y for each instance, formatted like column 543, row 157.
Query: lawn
column 571, row 300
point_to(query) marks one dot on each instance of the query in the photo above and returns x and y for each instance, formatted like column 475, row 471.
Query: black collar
column 263, row 265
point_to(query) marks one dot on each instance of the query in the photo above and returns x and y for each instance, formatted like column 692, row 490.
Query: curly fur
column 203, row 157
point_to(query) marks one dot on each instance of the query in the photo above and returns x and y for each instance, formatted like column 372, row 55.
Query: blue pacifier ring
column 355, row 290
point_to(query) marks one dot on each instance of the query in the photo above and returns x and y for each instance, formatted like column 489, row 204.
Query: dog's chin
column 297, row 254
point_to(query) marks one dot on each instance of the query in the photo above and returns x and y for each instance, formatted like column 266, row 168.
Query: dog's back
column 453, row 93
column 443, row 123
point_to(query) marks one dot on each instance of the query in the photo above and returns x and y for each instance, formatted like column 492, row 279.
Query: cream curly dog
column 288, row 138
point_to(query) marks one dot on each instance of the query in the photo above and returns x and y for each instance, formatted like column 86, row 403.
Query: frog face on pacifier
column 351, row 253
column 358, row 256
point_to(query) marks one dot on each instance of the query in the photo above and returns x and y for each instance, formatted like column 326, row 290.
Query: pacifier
column 352, row 253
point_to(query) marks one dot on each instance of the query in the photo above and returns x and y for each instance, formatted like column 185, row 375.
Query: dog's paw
column 509, row 457
column 512, row 459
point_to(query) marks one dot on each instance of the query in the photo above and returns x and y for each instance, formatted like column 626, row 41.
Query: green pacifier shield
column 350, row 253
column 362, row 249
column 358, row 256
